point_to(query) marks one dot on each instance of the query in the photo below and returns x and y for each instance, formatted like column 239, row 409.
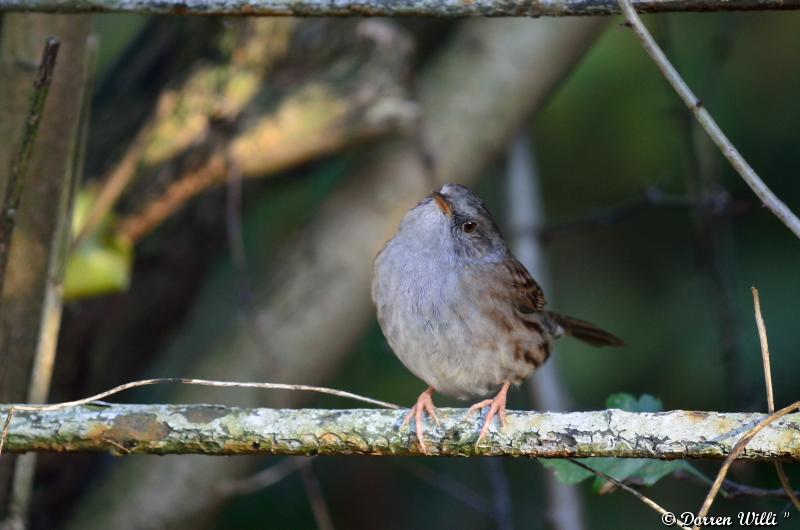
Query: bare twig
column 737, row 450
column 316, row 499
column 188, row 381
column 733, row 490
column 762, row 336
column 733, row 156
column 263, row 479
column 19, row 164
column 451, row 487
column 233, row 217
column 501, row 495
column 652, row 197
column 206, row 382
column 647, row 500
column 84, row 116
column 6, row 425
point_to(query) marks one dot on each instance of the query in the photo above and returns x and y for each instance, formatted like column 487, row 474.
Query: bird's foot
column 497, row 407
column 424, row 404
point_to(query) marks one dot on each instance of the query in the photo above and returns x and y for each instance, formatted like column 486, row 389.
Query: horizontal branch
column 220, row 430
column 437, row 8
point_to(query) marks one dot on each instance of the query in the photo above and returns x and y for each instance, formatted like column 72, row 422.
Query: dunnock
column 459, row 310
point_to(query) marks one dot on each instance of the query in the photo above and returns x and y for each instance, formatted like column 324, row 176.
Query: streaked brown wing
column 526, row 295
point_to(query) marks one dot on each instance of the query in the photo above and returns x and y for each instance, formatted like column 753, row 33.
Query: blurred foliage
column 613, row 128
column 101, row 264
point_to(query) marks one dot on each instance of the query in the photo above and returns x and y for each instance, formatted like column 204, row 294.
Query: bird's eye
column 469, row 226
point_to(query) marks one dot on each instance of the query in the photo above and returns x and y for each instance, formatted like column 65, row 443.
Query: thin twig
column 452, row 487
column 762, row 336
column 733, row 490
column 188, row 381
column 235, row 235
column 733, row 156
column 735, row 452
column 652, row 197
column 233, row 217
column 501, row 494
column 207, row 382
column 19, row 164
column 263, row 479
column 319, row 508
column 6, row 425
column 647, row 500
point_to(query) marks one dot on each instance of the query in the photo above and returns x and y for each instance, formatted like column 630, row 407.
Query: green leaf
column 640, row 471
column 566, row 471
column 97, row 268
column 618, row 468
column 627, row 402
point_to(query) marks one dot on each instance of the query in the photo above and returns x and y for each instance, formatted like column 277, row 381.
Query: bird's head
column 455, row 222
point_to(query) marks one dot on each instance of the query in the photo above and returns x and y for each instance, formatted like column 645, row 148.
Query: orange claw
column 424, row 404
column 497, row 407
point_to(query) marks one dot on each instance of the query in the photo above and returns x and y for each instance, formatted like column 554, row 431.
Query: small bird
column 460, row 311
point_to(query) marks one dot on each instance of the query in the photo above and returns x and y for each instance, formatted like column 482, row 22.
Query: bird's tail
column 585, row 331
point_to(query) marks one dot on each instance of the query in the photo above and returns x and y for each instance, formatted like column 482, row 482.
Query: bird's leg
column 497, row 406
column 424, row 404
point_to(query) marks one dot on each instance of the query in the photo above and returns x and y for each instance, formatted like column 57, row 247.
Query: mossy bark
column 220, row 430
column 441, row 8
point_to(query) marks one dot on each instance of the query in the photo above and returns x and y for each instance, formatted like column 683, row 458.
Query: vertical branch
column 526, row 207
column 45, row 355
column 31, row 301
column 315, row 498
column 19, row 164
column 762, row 337
column 502, row 495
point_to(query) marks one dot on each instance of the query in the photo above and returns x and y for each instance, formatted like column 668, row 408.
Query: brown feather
column 527, row 295
column 585, row 331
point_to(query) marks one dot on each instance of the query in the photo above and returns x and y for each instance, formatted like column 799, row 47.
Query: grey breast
column 434, row 316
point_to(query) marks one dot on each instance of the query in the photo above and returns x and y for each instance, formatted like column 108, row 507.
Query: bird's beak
column 443, row 204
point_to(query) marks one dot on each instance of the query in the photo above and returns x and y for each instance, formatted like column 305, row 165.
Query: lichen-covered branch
column 441, row 8
column 220, row 430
